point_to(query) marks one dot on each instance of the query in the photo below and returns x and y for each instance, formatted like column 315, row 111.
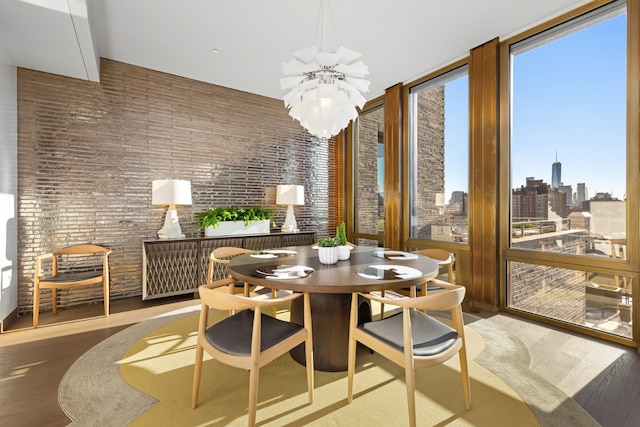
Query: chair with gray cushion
column 220, row 258
column 70, row 267
column 248, row 339
column 413, row 339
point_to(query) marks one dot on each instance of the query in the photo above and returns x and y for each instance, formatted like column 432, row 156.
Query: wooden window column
column 392, row 167
column 482, row 291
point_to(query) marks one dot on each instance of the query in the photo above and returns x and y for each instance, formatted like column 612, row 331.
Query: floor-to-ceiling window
column 438, row 161
column 568, row 240
column 439, row 157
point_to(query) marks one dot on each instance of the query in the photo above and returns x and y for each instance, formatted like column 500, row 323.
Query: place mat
column 388, row 272
column 395, row 255
column 285, row 272
column 273, row 253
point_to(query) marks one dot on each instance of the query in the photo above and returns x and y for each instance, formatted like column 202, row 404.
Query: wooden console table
column 179, row 266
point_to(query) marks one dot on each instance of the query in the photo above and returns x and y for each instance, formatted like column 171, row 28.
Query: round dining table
column 298, row 269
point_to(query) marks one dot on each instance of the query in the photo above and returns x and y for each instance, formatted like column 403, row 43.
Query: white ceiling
column 399, row 40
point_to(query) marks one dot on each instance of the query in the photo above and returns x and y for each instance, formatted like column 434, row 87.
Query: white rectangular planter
column 230, row 228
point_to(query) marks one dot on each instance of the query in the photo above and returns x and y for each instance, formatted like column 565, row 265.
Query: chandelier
column 325, row 86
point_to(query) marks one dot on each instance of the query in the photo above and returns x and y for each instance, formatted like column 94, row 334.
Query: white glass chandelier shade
column 325, row 87
column 171, row 192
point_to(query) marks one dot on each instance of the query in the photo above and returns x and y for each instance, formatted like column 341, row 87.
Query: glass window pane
column 568, row 135
column 369, row 173
column 439, row 138
column 595, row 300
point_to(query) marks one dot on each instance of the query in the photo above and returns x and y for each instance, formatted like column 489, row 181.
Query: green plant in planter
column 212, row 217
column 341, row 234
column 328, row 242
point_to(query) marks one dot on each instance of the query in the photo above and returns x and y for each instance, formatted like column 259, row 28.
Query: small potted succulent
column 344, row 249
column 327, row 250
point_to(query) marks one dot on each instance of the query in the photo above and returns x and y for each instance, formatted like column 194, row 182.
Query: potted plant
column 235, row 220
column 344, row 249
column 327, row 250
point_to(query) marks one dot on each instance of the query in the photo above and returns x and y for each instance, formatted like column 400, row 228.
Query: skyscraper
column 556, row 171
column 582, row 194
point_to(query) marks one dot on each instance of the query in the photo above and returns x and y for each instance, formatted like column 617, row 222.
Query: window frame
column 628, row 267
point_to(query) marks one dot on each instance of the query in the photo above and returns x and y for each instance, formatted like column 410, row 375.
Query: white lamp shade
column 170, row 192
column 290, row 195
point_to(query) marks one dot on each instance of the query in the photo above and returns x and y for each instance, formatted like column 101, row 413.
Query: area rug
column 143, row 376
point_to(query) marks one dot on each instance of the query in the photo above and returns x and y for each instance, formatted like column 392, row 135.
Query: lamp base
column 171, row 229
column 290, row 225
column 162, row 235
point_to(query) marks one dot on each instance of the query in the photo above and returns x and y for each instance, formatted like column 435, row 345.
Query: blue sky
column 569, row 98
column 456, row 134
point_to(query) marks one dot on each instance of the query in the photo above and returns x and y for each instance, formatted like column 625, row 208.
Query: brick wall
column 366, row 197
column 87, row 153
column 430, row 161
column 549, row 291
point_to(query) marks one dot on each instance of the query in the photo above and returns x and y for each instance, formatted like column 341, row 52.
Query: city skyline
column 569, row 105
column 569, row 100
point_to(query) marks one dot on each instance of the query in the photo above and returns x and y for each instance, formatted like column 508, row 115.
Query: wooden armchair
column 249, row 339
column 219, row 259
column 413, row 339
column 73, row 266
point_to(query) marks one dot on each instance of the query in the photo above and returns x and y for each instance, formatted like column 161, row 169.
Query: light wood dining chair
column 444, row 259
column 220, row 258
column 70, row 267
column 249, row 339
column 413, row 339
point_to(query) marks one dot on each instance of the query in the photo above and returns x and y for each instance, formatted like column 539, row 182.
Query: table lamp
column 290, row 195
column 171, row 192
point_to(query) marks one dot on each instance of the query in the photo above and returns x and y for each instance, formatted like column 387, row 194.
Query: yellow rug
column 161, row 365
column 155, row 358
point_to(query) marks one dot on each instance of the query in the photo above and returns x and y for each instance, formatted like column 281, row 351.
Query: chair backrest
column 443, row 257
column 81, row 257
column 82, row 249
column 435, row 253
column 450, row 297
column 222, row 256
column 216, row 295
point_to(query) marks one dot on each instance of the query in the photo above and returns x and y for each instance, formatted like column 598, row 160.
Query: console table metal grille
column 179, row 266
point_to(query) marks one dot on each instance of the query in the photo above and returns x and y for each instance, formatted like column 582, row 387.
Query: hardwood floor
column 602, row 377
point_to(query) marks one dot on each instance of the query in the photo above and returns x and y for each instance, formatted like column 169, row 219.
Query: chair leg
column 105, row 288
column 464, row 372
column 36, row 305
column 382, row 306
column 309, row 361
column 54, row 300
column 232, row 290
column 253, row 395
column 351, row 355
column 274, row 296
column 411, row 393
column 351, row 368
column 197, row 374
